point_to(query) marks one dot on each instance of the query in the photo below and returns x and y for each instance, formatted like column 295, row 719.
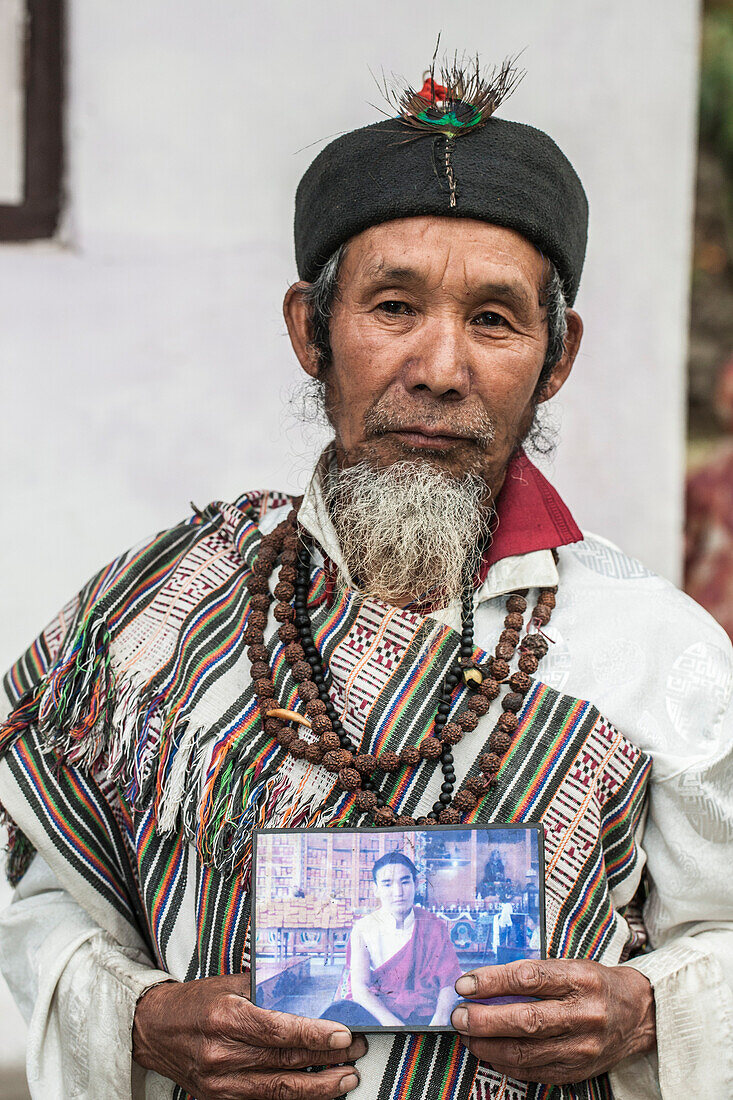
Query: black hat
column 460, row 163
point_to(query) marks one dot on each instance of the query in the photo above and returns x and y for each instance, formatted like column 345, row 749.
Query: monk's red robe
column 408, row 984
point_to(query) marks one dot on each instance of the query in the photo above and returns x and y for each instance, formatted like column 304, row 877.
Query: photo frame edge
column 488, row 826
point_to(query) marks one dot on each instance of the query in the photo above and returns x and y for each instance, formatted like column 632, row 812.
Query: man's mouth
column 427, row 438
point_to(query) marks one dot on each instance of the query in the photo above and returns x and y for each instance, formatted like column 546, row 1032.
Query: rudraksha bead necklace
column 332, row 748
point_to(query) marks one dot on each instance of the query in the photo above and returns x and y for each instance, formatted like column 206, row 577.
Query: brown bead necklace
column 332, row 749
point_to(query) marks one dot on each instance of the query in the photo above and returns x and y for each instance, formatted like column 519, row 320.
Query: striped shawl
column 135, row 759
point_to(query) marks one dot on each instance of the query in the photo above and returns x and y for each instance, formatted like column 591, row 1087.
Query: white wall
column 145, row 363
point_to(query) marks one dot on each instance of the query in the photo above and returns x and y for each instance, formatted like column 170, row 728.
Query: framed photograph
column 372, row 927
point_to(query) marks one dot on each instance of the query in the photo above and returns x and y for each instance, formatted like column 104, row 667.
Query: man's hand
column 588, row 1018
column 207, row 1037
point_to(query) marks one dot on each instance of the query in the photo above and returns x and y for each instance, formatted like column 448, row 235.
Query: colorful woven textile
column 136, row 744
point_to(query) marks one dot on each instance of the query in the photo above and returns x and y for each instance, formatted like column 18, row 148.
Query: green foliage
column 716, row 85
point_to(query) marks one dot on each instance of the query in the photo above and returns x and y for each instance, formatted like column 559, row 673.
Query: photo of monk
column 373, row 928
column 401, row 963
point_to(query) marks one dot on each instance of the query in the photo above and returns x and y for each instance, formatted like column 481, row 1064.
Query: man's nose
column 439, row 362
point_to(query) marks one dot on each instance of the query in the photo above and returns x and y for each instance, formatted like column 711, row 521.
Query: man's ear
column 562, row 368
column 297, row 314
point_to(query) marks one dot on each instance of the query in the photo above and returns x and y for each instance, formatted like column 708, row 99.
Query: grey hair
column 555, row 303
column 320, row 296
column 323, row 292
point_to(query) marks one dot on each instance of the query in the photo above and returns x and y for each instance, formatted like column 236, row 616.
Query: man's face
column 438, row 339
column 395, row 888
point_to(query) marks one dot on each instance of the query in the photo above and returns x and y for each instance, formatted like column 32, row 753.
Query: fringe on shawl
column 237, row 799
column 159, row 755
column 72, row 705
column 277, row 794
column 89, row 718
column 72, row 709
column 19, row 851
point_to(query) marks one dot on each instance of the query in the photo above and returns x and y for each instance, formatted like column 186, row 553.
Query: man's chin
column 454, row 460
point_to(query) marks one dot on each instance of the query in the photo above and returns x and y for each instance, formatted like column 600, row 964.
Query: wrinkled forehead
column 462, row 255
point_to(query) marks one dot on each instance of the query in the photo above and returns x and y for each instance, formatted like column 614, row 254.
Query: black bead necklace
column 452, row 678
column 329, row 746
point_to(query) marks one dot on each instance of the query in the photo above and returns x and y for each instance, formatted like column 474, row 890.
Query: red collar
column 532, row 515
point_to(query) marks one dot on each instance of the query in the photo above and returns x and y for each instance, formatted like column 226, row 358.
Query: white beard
column 408, row 531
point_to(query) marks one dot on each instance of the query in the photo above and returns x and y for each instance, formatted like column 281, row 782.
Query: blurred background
column 149, row 154
column 709, row 513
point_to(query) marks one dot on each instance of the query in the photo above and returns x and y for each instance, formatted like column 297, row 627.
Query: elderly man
column 427, row 636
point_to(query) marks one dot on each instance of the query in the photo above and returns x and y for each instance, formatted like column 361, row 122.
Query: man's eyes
column 487, row 319
column 394, row 308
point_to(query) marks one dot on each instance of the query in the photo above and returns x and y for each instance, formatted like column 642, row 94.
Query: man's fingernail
column 349, row 1083
column 459, row 1019
column 466, row 985
column 339, row 1040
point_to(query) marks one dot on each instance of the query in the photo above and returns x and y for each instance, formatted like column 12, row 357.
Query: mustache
column 475, row 425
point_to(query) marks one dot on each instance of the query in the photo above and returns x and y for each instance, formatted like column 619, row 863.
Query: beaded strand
column 332, row 747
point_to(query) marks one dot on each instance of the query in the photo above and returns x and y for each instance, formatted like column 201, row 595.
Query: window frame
column 37, row 215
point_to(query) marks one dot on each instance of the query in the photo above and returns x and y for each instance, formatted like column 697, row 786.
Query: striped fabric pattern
column 154, row 805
